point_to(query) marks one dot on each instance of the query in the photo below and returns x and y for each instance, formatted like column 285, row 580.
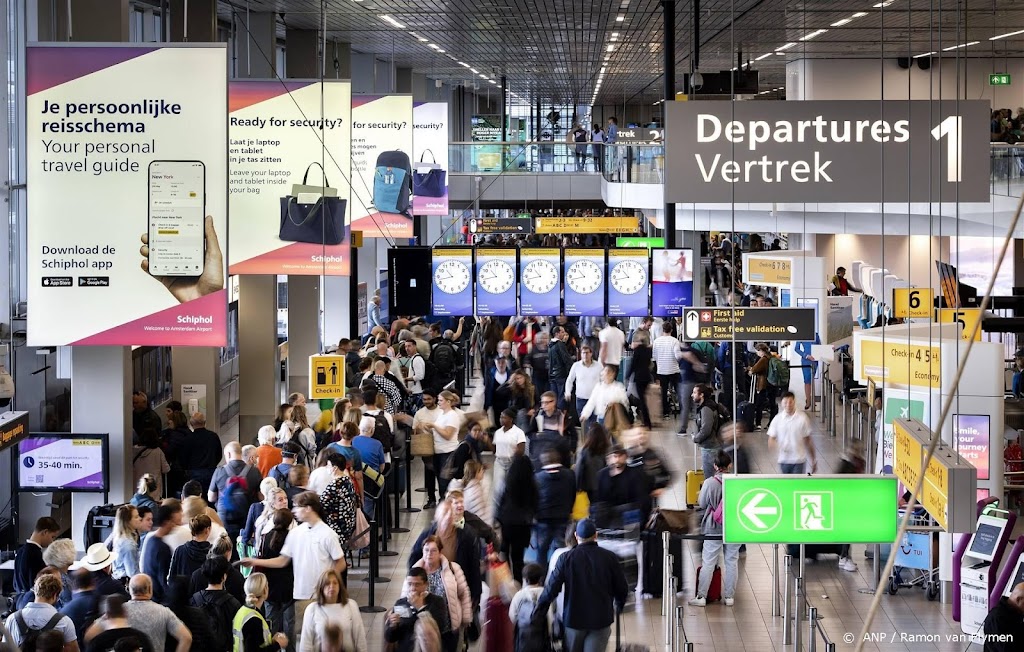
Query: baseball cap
column 586, row 529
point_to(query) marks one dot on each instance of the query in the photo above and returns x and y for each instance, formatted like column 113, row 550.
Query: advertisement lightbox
column 430, row 158
column 671, row 282
column 381, row 134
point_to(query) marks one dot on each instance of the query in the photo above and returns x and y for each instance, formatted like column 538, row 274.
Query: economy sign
column 827, row 151
column 127, row 150
column 809, row 509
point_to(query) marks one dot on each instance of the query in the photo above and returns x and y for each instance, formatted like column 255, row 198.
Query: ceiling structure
column 610, row 51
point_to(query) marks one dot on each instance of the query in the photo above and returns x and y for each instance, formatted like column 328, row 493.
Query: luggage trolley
column 915, row 557
column 619, row 531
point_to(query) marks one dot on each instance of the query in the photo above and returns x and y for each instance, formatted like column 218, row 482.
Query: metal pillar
column 669, row 48
column 504, row 108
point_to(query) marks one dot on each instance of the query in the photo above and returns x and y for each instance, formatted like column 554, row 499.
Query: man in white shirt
column 311, row 548
column 429, row 413
column 509, row 441
column 38, row 614
column 790, row 433
column 586, row 374
column 613, row 340
column 413, row 371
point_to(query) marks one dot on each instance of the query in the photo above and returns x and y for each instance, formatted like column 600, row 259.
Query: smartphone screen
column 177, row 206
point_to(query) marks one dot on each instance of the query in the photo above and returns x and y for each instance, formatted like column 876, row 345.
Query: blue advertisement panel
column 671, row 282
column 452, row 281
column 628, row 282
column 496, row 271
column 584, row 282
column 540, row 282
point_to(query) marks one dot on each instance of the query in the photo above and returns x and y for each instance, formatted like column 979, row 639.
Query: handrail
column 814, row 625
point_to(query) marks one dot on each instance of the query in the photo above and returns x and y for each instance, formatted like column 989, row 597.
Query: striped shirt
column 666, row 350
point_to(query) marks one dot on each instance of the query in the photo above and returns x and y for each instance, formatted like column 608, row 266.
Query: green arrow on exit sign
column 999, row 79
column 809, row 509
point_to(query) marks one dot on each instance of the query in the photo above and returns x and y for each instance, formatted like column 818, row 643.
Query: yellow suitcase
column 694, row 479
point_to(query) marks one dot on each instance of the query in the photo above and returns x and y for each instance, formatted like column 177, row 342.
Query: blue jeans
column 792, row 469
column 707, row 461
column 557, row 385
column 709, row 559
column 550, row 535
column 587, row 640
column 580, row 404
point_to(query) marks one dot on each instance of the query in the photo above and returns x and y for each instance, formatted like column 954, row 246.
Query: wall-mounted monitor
column 496, row 272
column 584, row 282
column 540, row 282
column 408, row 290
column 628, row 282
column 452, row 281
column 63, row 462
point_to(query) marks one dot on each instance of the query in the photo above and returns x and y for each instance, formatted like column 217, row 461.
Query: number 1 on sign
column 953, row 128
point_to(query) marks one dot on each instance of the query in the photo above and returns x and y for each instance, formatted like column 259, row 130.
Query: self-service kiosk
column 979, row 565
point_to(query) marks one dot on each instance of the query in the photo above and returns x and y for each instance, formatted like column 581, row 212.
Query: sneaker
column 848, row 564
column 728, row 601
column 697, row 602
column 743, row 549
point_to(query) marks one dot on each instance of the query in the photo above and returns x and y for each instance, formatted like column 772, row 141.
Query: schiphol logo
column 29, row 462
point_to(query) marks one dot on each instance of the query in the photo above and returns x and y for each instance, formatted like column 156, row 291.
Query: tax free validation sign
column 827, row 151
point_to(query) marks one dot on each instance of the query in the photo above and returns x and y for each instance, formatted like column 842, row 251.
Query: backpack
column 29, row 635
column 778, row 372
column 382, row 432
column 718, row 513
column 445, row 359
column 705, row 352
column 531, row 634
column 216, row 609
column 233, row 503
column 392, row 183
column 429, row 372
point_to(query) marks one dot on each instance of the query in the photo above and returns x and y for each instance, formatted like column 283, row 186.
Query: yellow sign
column 326, row 376
column 907, row 456
column 912, row 303
column 560, row 225
column 966, row 317
column 935, row 492
column 769, row 270
column 894, row 363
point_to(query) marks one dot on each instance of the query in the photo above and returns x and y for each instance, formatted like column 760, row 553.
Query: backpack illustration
column 392, row 183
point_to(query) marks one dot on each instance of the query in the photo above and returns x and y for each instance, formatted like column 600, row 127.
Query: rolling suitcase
column 694, row 479
column 714, row 589
column 745, row 415
column 498, row 629
column 654, row 558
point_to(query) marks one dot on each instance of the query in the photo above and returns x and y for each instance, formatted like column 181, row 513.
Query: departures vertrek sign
column 827, row 151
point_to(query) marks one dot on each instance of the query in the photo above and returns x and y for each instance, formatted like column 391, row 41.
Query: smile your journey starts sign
column 827, row 151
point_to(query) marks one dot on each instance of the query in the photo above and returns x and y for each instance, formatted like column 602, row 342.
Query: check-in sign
column 827, row 151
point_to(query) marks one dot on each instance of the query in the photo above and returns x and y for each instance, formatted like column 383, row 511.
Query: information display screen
column 496, row 272
column 628, row 282
column 69, row 462
column 452, row 281
column 584, row 282
column 540, row 282
column 985, row 540
column 671, row 282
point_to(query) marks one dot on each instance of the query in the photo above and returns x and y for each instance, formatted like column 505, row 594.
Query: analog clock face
column 451, row 277
column 496, row 276
column 629, row 277
column 540, row 276
column 584, row 276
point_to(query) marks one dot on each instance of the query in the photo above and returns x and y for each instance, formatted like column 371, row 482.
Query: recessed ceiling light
column 996, row 38
column 764, row 56
column 440, row 51
column 434, row 46
column 840, row 23
column 881, row 5
column 603, row 68
column 859, row 14
column 615, row 35
column 926, row 54
column 483, row 76
column 610, row 48
column 474, row 70
column 962, row 45
column 492, row 81
column 813, row 34
column 784, row 47
column 620, row 19
column 392, row 21
column 464, row 64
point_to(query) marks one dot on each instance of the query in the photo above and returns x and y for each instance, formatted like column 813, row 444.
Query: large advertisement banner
column 290, row 166
column 672, row 282
column 381, row 190
column 430, row 158
column 973, row 440
column 127, row 195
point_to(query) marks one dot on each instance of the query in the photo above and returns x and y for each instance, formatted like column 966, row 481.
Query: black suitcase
column 654, row 557
column 812, row 551
column 745, row 415
column 99, row 523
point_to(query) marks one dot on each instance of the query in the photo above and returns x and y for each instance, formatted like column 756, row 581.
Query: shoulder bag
column 313, row 214
column 428, row 179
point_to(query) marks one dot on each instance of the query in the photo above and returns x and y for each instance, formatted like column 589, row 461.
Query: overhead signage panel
column 504, row 225
column 898, row 363
column 540, row 282
column 912, row 303
column 639, row 135
column 802, row 509
column 326, row 376
column 650, row 243
column 13, row 428
column 563, row 225
column 749, row 324
column 452, row 284
column 827, row 151
column 628, row 282
column 769, row 270
column 584, row 282
column 496, row 272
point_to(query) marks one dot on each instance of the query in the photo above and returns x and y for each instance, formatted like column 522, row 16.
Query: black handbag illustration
column 313, row 214
column 428, row 179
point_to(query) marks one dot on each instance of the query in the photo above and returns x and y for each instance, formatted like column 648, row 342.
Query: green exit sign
column 650, row 243
column 999, row 79
column 809, row 509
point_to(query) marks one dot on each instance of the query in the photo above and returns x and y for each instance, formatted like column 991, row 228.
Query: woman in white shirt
column 607, row 392
column 509, row 441
column 446, row 434
column 332, row 607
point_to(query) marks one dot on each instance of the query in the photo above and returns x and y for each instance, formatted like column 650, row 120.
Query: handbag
column 313, row 214
column 581, row 506
column 361, row 534
column 421, row 444
column 431, row 181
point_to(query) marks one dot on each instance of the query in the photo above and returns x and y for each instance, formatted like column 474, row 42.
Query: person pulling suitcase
column 710, row 503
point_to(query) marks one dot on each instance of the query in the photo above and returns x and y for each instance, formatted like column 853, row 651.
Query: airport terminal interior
column 512, row 326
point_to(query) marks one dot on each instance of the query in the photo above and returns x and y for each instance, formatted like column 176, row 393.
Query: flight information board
column 540, row 282
column 452, row 281
column 628, row 281
column 496, row 272
column 584, row 282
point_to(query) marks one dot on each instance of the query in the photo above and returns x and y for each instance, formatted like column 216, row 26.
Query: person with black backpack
column 38, row 616
column 529, row 635
column 446, row 359
column 216, row 603
column 235, row 486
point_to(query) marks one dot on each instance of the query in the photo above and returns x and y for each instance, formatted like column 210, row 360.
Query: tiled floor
column 749, row 625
